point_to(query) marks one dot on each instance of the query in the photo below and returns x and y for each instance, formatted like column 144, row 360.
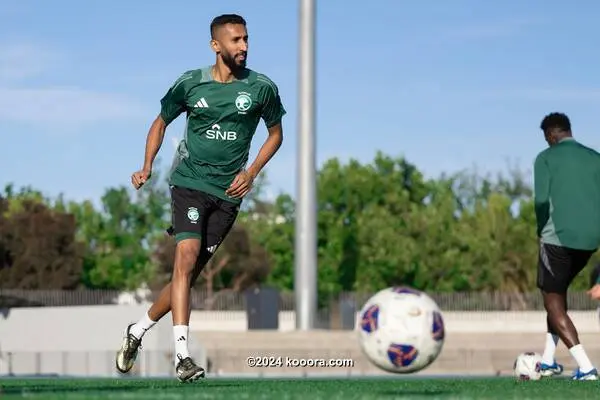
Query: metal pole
column 306, row 210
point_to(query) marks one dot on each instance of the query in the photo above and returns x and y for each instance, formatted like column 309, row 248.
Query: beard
column 233, row 61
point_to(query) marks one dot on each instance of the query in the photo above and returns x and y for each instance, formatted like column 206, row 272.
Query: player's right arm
column 154, row 141
column 172, row 105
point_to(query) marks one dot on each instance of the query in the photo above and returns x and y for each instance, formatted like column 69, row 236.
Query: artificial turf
column 303, row 388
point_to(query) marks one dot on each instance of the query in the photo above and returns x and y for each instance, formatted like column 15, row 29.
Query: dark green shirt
column 221, row 121
column 567, row 195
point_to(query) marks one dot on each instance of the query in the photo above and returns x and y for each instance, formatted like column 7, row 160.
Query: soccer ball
column 401, row 330
column 527, row 367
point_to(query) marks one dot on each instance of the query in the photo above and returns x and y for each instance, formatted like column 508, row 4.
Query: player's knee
column 186, row 255
column 554, row 303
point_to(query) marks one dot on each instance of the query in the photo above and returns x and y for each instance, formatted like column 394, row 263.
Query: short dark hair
column 225, row 19
column 554, row 121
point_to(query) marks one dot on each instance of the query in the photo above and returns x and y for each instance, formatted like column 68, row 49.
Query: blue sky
column 448, row 84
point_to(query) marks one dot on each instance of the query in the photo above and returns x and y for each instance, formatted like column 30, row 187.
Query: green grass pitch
column 304, row 388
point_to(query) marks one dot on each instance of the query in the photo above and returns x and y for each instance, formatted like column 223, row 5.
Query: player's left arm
column 268, row 149
column 594, row 291
column 541, row 174
column 242, row 184
column 272, row 114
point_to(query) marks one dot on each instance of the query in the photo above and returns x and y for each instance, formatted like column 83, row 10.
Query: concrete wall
column 83, row 341
column 464, row 322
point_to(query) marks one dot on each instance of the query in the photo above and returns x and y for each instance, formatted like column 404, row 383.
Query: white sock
column 578, row 353
column 550, row 349
column 180, row 334
column 144, row 324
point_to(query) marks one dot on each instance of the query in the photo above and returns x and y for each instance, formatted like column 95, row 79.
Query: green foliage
column 273, row 230
column 383, row 224
column 379, row 224
column 121, row 236
column 38, row 248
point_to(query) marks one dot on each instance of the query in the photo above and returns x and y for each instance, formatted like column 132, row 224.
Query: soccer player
column 567, row 207
column 223, row 104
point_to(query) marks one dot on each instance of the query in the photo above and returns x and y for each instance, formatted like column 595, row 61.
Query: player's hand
column 241, row 185
column 139, row 178
column 594, row 292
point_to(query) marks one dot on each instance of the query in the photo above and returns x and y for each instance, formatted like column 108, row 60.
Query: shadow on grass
column 77, row 387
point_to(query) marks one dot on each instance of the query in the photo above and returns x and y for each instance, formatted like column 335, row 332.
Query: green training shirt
column 220, row 124
column 567, row 195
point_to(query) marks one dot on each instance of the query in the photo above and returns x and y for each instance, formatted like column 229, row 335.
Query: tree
column 38, row 247
column 121, row 236
column 380, row 224
column 380, row 194
column 383, row 224
column 273, row 230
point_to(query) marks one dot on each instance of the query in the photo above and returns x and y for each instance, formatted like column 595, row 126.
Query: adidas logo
column 181, row 339
column 201, row 104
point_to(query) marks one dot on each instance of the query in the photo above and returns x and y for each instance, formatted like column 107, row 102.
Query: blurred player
column 567, row 207
column 223, row 104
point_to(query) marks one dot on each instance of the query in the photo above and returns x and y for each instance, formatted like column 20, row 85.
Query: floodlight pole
column 305, row 286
